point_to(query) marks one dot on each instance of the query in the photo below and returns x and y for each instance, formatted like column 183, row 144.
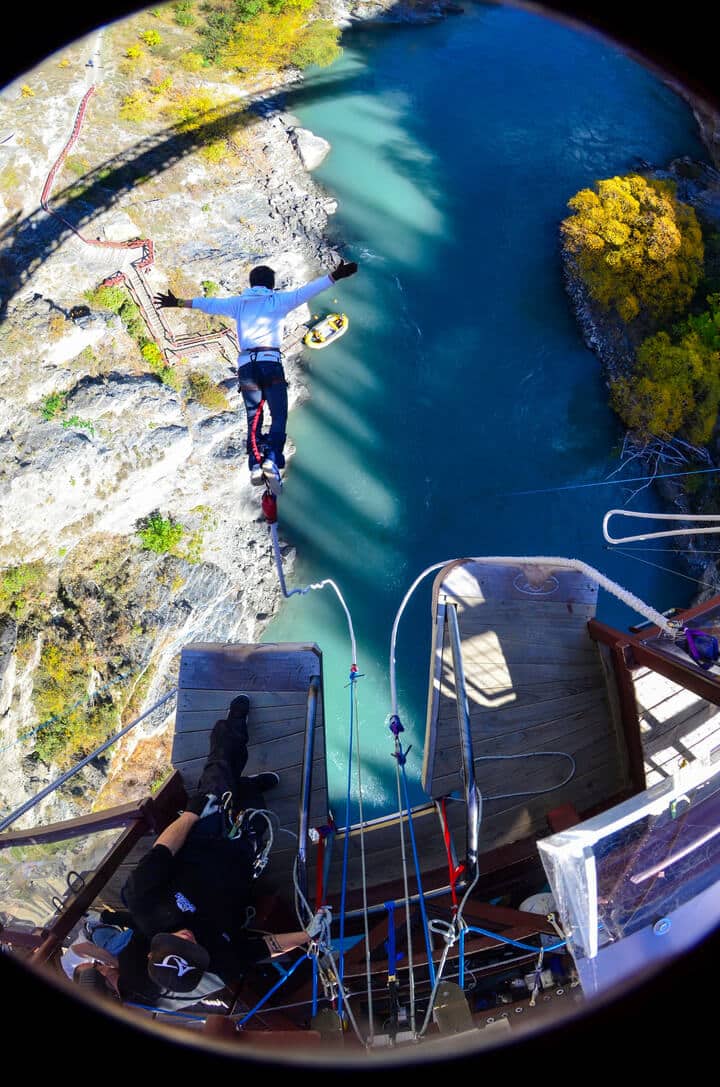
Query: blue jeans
column 258, row 381
column 112, row 938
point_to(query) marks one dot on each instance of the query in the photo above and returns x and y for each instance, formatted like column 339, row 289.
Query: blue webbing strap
column 401, row 757
column 346, row 845
column 270, row 992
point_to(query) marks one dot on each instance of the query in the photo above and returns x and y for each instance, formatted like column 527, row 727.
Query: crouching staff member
column 259, row 314
column 189, row 896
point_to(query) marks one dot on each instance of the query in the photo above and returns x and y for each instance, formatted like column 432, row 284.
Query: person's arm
column 279, row 942
column 151, row 874
column 92, row 951
column 221, row 307
column 292, row 299
column 175, row 835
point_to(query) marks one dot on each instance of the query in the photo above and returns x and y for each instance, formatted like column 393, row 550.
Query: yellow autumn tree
column 637, row 247
column 675, row 384
column 268, row 40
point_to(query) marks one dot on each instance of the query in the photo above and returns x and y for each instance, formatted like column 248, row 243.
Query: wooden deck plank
column 271, row 666
column 514, row 715
column 196, row 744
column 572, row 737
column 508, row 581
column 677, row 725
column 218, row 701
column 280, row 754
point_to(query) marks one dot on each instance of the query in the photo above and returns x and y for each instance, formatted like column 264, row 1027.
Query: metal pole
column 306, row 782
column 472, row 793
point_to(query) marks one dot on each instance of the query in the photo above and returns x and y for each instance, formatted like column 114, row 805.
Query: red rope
column 253, row 431
column 319, row 880
column 455, row 872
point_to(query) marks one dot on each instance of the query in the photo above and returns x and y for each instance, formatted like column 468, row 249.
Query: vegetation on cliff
column 675, row 385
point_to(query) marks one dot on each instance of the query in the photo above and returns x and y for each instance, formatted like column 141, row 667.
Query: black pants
column 223, row 770
column 258, row 381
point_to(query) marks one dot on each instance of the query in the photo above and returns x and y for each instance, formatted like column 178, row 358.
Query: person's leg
column 228, row 751
column 275, row 389
column 252, row 398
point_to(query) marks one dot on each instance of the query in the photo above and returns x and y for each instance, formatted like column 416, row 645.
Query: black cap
column 175, row 963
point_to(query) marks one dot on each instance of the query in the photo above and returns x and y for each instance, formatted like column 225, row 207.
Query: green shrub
column 70, row 726
column 134, row 107
column 183, row 10
column 110, row 298
column 132, row 319
column 151, row 38
column 202, row 389
column 76, row 421
column 153, row 356
column 53, row 405
column 637, row 247
column 159, row 534
column 22, row 588
column 210, row 288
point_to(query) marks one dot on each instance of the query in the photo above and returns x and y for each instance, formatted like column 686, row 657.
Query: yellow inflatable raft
column 327, row 330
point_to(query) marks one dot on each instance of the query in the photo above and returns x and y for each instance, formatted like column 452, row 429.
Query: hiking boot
column 239, row 707
column 266, row 781
column 271, row 474
column 257, row 477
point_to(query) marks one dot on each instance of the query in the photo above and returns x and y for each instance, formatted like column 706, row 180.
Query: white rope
column 315, row 585
column 529, row 755
column 393, row 636
column 660, row 517
column 368, row 964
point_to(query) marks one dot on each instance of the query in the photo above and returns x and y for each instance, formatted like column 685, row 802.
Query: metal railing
column 53, row 785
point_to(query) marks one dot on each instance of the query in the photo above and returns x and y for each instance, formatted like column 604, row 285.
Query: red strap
column 253, row 431
column 455, row 872
column 319, row 879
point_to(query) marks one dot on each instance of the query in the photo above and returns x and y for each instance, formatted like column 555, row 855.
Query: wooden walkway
column 676, row 726
column 535, row 683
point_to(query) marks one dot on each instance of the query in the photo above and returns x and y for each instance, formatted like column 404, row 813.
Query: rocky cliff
column 97, row 436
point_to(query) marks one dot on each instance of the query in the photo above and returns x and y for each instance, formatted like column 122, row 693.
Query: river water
column 463, row 378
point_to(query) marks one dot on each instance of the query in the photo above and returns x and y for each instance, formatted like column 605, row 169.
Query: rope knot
column 401, row 755
column 394, row 725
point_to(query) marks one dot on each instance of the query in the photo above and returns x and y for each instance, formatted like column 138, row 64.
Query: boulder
column 312, row 149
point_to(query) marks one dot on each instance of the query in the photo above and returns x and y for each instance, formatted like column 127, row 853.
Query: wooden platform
column 535, row 682
column 277, row 678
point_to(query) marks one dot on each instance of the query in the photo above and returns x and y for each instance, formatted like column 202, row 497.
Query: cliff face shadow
column 27, row 242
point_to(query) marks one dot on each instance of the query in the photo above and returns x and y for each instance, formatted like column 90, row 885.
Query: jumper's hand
column 166, row 301
column 343, row 270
